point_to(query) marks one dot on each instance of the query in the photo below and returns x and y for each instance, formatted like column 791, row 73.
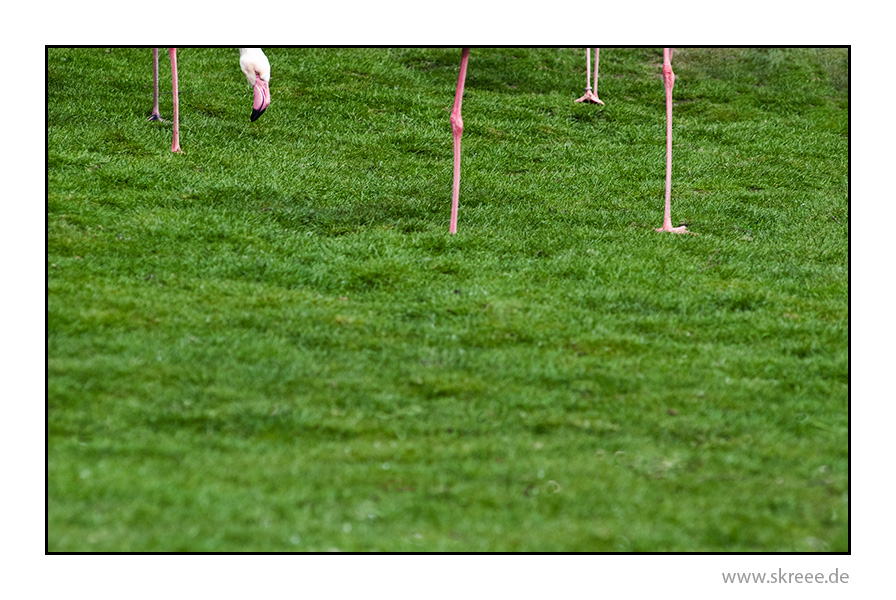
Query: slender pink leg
column 591, row 96
column 155, row 116
column 457, row 128
column 669, row 78
column 588, row 69
column 175, row 142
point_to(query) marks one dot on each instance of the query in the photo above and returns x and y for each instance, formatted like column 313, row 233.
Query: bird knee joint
column 457, row 123
column 668, row 75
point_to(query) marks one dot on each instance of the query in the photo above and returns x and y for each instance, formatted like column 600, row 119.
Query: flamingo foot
column 155, row 117
column 591, row 98
column 670, row 229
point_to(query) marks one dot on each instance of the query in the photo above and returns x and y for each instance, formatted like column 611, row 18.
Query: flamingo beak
column 262, row 97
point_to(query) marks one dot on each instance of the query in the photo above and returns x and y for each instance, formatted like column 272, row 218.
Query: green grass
column 271, row 343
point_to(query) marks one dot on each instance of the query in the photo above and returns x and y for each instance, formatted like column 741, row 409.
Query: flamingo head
column 261, row 97
column 257, row 69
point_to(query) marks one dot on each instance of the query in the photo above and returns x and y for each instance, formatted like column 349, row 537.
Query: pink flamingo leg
column 669, row 78
column 457, row 128
column 155, row 116
column 175, row 142
column 591, row 96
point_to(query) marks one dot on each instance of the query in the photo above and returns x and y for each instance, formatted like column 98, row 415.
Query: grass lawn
column 271, row 343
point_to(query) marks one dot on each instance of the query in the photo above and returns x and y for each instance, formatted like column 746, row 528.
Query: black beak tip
column 256, row 113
